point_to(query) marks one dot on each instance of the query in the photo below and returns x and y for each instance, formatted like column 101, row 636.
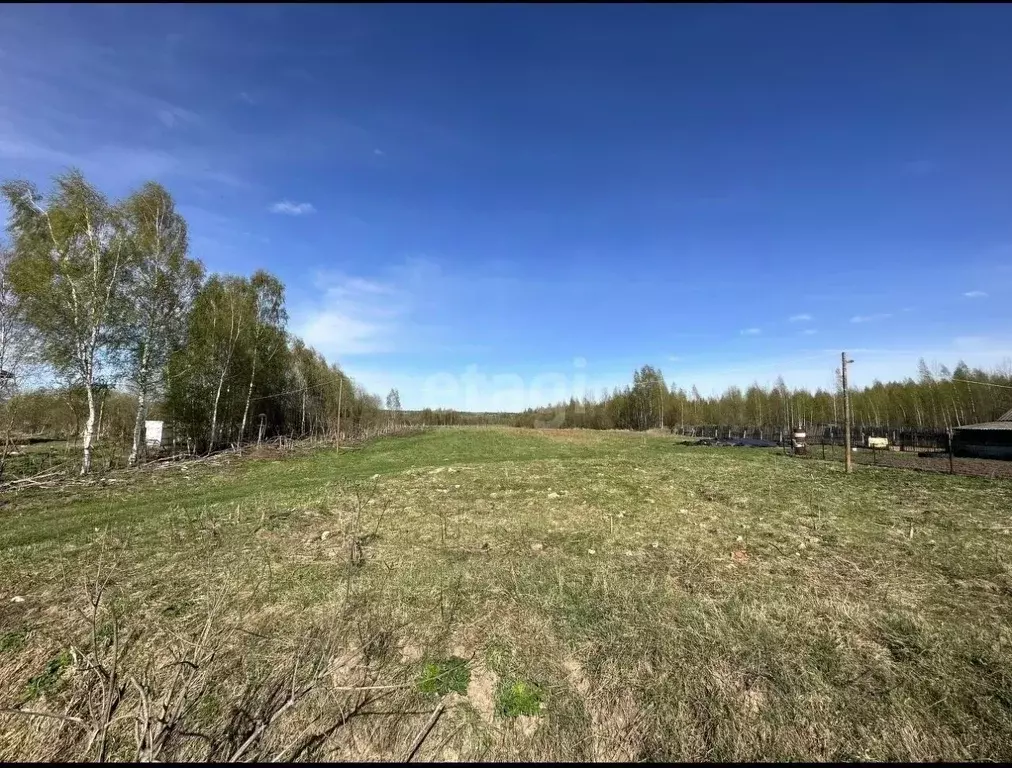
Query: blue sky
column 488, row 206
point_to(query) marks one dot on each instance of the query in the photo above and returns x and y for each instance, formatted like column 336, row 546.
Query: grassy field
column 564, row 595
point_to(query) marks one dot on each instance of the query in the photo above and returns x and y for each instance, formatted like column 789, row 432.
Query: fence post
column 952, row 470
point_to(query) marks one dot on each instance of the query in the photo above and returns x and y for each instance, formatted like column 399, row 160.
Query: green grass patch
column 13, row 641
column 518, row 697
column 444, row 676
column 49, row 680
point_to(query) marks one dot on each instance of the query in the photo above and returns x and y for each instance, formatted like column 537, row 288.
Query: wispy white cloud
column 355, row 315
column 975, row 294
column 870, row 318
column 335, row 333
column 172, row 116
column 112, row 165
column 14, row 147
column 410, row 307
column 289, row 208
column 809, row 332
column 93, row 106
column 751, row 332
column 41, row 141
column 802, row 318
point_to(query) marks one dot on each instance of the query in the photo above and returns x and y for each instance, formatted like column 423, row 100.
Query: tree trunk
column 142, row 385
column 214, row 410
column 249, row 395
column 101, row 416
column 138, row 428
column 89, row 429
column 233, row 338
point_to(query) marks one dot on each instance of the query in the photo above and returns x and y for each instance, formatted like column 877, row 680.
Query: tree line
column 934, row 400
column 105, row 296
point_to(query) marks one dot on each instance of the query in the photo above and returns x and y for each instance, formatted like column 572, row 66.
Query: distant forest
column 935, row 400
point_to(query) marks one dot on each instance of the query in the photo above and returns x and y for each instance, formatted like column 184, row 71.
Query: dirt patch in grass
column 481, row 691
column 613, row 717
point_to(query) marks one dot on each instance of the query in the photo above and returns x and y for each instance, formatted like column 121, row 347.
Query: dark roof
column 1002, row 425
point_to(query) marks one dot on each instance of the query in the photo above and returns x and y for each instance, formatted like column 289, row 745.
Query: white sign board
column 153, row 432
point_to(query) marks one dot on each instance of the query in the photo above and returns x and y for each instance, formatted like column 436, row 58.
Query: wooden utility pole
column 952, row 469
column 846, row 412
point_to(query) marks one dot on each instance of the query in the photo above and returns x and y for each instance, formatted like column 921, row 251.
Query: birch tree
column 68, row 272
column 220, row 321
column 394, row 404
column 204, row 374
column 267, row 334
column 162, row 285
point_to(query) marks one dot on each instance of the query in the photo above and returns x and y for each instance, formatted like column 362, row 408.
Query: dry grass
column 667, row 602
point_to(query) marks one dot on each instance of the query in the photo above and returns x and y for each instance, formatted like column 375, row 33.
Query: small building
column 991, row 440
column 156, row 433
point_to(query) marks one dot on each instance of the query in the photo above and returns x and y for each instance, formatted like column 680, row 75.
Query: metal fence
column 922, row 450
column 904, row 438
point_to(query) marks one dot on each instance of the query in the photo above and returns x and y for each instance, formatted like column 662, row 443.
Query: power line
column 985, row 383
column 292, row 391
